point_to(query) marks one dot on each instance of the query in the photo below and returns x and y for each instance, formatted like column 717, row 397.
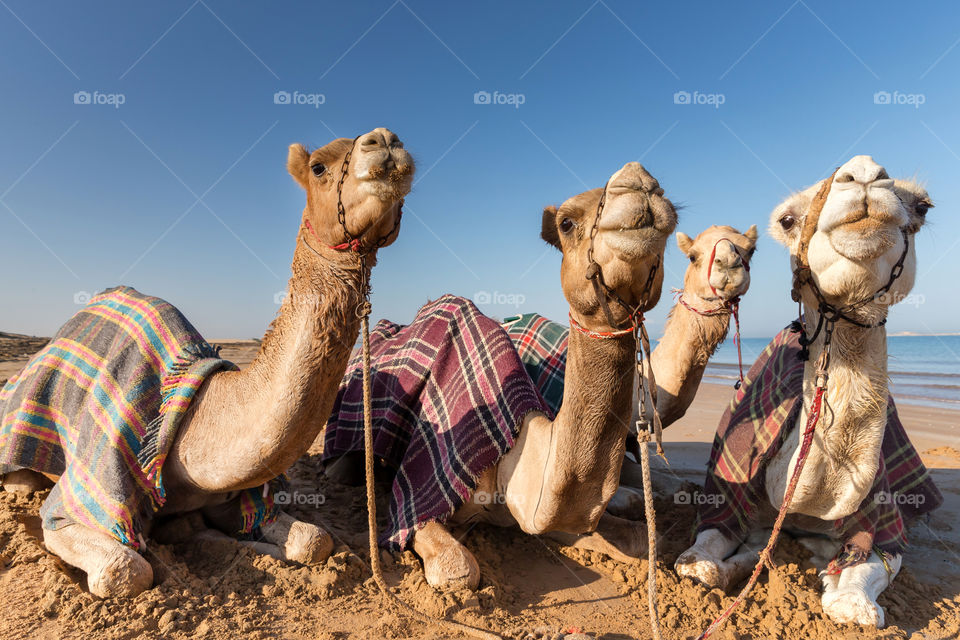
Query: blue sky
column 181, row 190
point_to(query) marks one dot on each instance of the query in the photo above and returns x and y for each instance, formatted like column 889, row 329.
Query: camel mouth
column 633, row 242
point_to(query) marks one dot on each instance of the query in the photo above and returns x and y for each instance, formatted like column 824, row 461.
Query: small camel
column 698, row 322
column 862, row 481
column 242, row 428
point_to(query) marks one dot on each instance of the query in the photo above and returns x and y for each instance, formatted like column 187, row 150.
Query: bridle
column 643, row 429
column 829, row 314
column 726, row 307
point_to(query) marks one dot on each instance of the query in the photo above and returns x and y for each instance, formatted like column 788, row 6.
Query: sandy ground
column 530, row 587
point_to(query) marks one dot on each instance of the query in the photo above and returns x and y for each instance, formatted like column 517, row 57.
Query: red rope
column 601, row 335
column 766, row 554
column 350, row 245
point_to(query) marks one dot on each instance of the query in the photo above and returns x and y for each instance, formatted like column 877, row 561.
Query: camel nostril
column 371, row 142
column 845, row 177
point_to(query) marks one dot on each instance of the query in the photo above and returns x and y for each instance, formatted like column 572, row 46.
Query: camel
column 853, row 249
column 560, row 474
column 698, row 322
column 244, row 428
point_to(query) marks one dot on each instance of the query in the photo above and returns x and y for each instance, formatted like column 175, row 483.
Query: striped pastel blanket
column 99, row 407
column 752, row 431
column 449, row 395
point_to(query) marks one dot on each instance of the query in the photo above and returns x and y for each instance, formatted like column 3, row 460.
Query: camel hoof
column 706, row 572
column 852, row 605
column 453, row 568
column 124, row 575
column 308, row 544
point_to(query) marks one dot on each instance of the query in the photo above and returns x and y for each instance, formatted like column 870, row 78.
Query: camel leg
column 626, row 503
column 24, row 481
column 623, row 540
column 446, row 563
column 113, row 569
column 286, row 538
column 705, row 563
column 852, row 595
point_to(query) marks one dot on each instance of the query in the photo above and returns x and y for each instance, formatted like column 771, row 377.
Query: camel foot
column 447, row 564
column 25, row 481
column 298, row 541
column 622, row 540
column 851, row 597
column 113, row 569
column 709, row 560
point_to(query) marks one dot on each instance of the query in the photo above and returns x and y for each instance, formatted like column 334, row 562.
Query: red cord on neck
column 600, row 335
column 350, row 245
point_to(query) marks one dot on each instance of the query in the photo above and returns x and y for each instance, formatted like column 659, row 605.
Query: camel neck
column 844, row 457
column 681, row 356
column 250, row 426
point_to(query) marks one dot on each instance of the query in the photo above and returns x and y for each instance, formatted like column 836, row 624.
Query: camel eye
column 922, row 209
column 566, row 225
column 693, row 258
column 787, row 222
column 318, row 169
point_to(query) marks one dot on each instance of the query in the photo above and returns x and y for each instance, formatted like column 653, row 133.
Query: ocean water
column 923, row 370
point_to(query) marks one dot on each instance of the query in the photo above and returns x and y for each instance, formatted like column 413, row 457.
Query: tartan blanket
column 99, row 407
column 449, row 394
column 752, row 431
column 542, row 345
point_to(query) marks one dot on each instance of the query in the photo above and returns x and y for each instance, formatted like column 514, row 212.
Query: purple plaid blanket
column 100, row 406
column 449, row 396
column 752, row 431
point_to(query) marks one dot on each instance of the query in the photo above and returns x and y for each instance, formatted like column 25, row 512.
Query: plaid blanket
column 99, row 407
column 752, row 431
column 542, row 345
column 449, row 396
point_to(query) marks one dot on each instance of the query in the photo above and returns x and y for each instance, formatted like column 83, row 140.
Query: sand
column 530, row 587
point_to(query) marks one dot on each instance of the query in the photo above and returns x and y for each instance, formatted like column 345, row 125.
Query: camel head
column 630, row 238
column 719, row 262
column 865, row 220
column 379, row 175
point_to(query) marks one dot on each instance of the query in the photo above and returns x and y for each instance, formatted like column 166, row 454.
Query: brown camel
column 246, row 427
column 560, row 474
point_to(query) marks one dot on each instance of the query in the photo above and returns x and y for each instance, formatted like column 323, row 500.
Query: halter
column 726, row 307
column 829, row 315
column 643, row 428
column 352, row 244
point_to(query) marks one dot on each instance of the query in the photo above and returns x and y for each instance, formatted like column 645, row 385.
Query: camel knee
column 851, row 597
column 113, row 569
column 298, row 541
column 447, row 564
column 25, row 481
column 626, row 503
column 706, row 561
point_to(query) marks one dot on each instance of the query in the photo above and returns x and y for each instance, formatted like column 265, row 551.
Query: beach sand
column 219, row 591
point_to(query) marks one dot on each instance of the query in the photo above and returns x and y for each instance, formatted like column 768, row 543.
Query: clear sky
column 143, row 143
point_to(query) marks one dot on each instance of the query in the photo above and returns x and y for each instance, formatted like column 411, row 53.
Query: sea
column 923, row 370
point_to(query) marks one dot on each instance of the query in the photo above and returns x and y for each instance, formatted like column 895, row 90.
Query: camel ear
column 751, row 235
column 297, row 161
column 684, row 242
column 549, row 229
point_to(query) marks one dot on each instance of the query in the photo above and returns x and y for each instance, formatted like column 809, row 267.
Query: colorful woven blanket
column 449, row 396
column 542, row 345
column 99, row 407
column 754, row 428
